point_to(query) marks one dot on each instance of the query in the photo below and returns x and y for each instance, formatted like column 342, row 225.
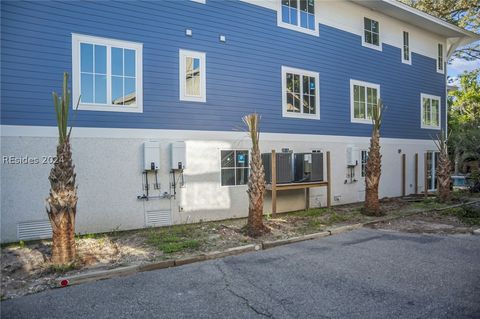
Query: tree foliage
column 464, row 118
column 463, row 13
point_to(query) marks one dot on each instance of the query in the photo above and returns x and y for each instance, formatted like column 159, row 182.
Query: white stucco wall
column 109, row 176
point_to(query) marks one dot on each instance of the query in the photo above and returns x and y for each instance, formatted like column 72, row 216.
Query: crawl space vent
column 34, row 230
column 158, row 218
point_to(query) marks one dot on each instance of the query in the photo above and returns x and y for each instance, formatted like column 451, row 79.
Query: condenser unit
column 308, row 167
column 284, row 163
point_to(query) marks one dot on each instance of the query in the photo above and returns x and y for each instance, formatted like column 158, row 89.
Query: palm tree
column 256, row 180
column 443, row 169
column 373, row 168
column 63, row 198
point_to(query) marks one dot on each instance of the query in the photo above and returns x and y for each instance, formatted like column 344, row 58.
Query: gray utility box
column 308, row 167
column 284, row 162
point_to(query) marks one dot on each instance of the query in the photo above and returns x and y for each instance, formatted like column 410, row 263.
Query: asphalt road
column 360, row 274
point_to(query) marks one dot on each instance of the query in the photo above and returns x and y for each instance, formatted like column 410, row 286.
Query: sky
column 458, row 66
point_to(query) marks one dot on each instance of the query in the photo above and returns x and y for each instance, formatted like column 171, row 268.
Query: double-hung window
column 300, row 93
column 440, row 63
column 298, row 15
column 430, row 111
column 371, row 34
column 406, row 54
column 234, row 167
column 107, row 74
column 363, row 97
column 192, row 76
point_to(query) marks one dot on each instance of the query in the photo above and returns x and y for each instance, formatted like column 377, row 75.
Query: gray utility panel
column 284, row 162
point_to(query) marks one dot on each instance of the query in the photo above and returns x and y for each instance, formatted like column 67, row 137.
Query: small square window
column 364, row 97
column 300, row 93
column 234, row 167
column 371, row 34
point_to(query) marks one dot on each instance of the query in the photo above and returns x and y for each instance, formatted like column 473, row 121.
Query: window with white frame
column 371, row 33
column 430, row 111
column 363, row 163
column 406, row 54
column 440, row 58
column 107, row 74
column 192, row 76
column 298, row 15
column 234, row 167
column 363, row 97
column 300, row 93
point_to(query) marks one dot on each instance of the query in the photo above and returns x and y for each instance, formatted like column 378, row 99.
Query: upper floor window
column 371, row 33
column 300, row 94
column 440, row 58
column 107, row 74
column 363, row 97
column 406, row 54
column 192, row 76
column 298, row 15
column 234, row 167
column 430, row 111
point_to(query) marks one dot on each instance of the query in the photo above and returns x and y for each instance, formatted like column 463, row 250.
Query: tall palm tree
column 63, row 198
column 373, row 168
column 443, row 169
column 256, row 180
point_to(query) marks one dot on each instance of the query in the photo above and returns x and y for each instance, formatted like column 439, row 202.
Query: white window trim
column 199, row 1
column 378, row 47
column 298, row 28
column 138, row 47
column 285, row 70
column 235, row 167
column 442, row 71
column 366, row 84
column 432, row 97
column 409, row 61
column 182, row 54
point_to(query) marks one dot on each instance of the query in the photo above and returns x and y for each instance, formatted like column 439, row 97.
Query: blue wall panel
column 243, row 74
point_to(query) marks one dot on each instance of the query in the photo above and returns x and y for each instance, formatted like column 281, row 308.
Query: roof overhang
column 420, row 19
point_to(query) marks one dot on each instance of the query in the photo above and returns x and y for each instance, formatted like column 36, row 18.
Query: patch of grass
column 64, row 268
column 466, row 214
column 337, row 218
column 429, row 203
column 312, row 212
column 172, row 240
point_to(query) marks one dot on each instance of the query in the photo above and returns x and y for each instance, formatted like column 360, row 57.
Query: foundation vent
column 158, row 218
column 34, row 230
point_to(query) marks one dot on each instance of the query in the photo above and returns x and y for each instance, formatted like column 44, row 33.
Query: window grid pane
column 234, row 167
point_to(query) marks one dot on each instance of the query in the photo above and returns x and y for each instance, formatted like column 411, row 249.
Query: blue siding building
column 187, row 71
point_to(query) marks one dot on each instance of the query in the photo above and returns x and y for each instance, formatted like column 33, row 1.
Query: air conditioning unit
column 284, row 163
column 303, row 167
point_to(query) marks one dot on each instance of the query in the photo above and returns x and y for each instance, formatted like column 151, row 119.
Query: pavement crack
column 245, row 299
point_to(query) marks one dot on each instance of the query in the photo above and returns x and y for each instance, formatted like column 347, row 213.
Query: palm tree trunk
column 256, row 180
column 443, row 170
column 63, row 206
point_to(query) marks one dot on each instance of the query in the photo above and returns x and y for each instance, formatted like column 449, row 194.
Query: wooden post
column 329, row 181
column 425, row 182
column 274, row 184
column 404, row 172
column 416, row 173
column 307, row 198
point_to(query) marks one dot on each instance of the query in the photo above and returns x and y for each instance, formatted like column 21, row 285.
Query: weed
column 172, row 241
column 466, row 214
column 21, row 244
column 61, row 269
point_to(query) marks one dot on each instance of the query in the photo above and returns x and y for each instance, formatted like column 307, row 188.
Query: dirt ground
column 26, row 269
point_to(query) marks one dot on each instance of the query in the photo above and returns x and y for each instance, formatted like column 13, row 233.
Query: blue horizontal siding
column 243, row 74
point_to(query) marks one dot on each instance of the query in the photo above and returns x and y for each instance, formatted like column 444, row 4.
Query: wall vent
column 158, row 218
column 34, row 230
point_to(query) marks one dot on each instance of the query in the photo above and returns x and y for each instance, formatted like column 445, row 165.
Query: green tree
column 463, row 13
column 464, row 119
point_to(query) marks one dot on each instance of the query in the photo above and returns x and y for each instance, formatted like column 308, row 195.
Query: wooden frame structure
column 274, row 187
